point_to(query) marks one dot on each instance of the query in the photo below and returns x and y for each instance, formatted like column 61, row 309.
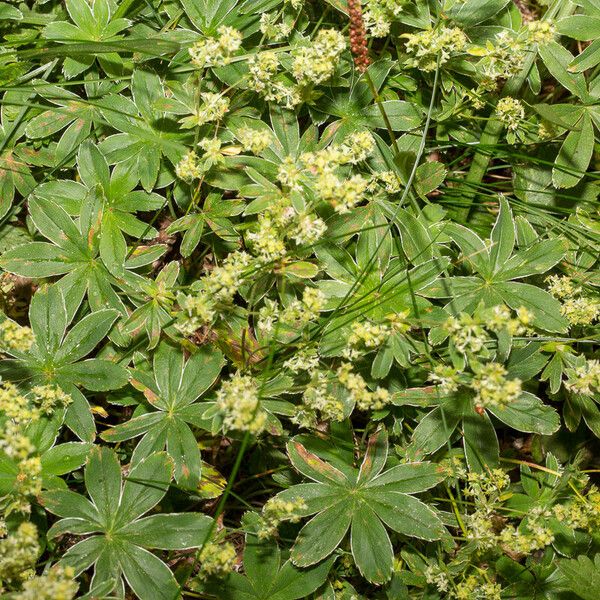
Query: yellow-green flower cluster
column 289, row 174
column 366, row 336
column 199, row 307
column 584, row 379
column 41, row 399
column 239, row 404
column 473, row 588
column 224, row 280
column 435, row 576
column 18, row 447
column 213, row 108
column 275, row 511
column 273, row 28
column 49, row 397
column 304, row 359
column 267, row 241
column 501, row 58
column 216, row 52
column 480, row 530
column 15, row 443
column 487, row 485
column 580, row 513
column 527, row 538
column 359, row 394
column 388, row 180
column 511, row 112
column 309, row 229
column 379, row 15
column 196, row 310
column 318, row 403
column 15, row 337
column 28, row 483
column 500, row 318
column 577, row 307
column 254, row 140
column 470, row 334
column 18, row 553
column 358, row 147
column 540, row 32
column 561, row 287
column 581, row 310
column 467, row 333
column 14, row 405
column 212, row 151
column 297, row 313
column 57, row 584
column 188, row 167
column 263, row 78
column 343, row 195
column 493, row 388
column 316, row 63
column 217, row 559
column 429, row 47
column 454, row 467
column 446, row 377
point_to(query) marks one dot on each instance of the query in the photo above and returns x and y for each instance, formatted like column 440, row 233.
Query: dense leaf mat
column 299, row 299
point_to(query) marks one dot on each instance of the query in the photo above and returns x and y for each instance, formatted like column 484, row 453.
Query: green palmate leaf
column 9, row 12
column 409, row 478
column 588, row 59
column 538, row 257
column 502, row 237
column 145, row 486
column 530, row 414
column 75, row 255
column 580, row 27
column 472, row 246
column 65, row 503
column 575, row 154
column 57, row 356
column 545, row 308
column 267, row 576
column 171, row 389
column 402, row 116
column 65, row 458
column 146, row 574
column 118, row 548
column 36, row 259
column 322, row 534
column 103, row 482
column 169, row 532
column 496, row 266
column 435, row 429
column 557, row 59
column 370, row 544
column 480, row 443
column 361, row 503
column 85, row 335
column 375, row 456
column 472, row 12
column 48, row 317
column 416, row 241
column 429, row 176
column 311, row 466
column 582, row 575
column 406, row 515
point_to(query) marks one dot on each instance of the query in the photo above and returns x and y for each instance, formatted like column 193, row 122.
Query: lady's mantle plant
column 299, row 299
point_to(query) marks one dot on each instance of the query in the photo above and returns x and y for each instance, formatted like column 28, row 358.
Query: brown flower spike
column 358, row 38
